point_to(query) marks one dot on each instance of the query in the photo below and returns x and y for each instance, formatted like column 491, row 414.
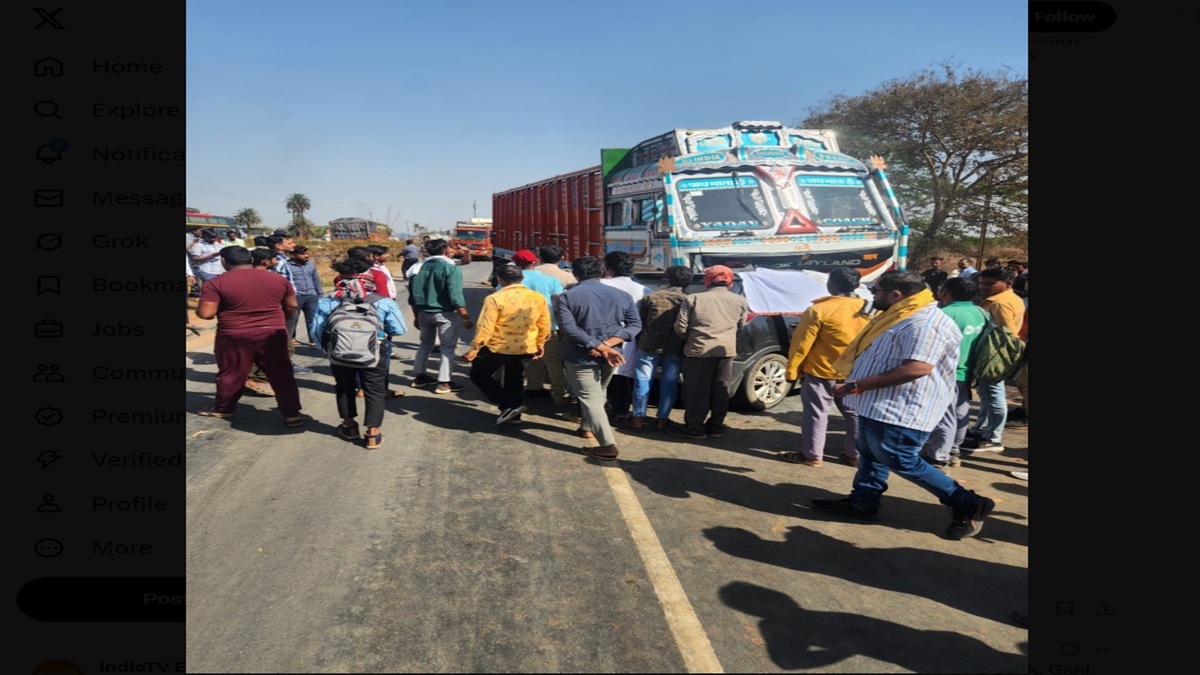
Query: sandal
column 294, row 421
column 392, row 393
column 209, row 412
column 260, row 389
column 374, row 441
column 799, row 458
column 349, row 432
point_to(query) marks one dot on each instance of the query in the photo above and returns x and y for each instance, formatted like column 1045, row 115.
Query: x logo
column 48, row 18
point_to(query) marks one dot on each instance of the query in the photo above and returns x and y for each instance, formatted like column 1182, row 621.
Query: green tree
column 302, row 228
column 296, row 204
column 247, row 218
column 956, row 146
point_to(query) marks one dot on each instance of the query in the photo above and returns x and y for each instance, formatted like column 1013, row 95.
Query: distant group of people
column 896, row 367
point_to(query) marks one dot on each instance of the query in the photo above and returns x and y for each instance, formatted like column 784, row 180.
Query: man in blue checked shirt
column 902, row 376
column 307, row 282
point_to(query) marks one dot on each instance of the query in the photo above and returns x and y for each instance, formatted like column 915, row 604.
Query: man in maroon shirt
column 251, row 307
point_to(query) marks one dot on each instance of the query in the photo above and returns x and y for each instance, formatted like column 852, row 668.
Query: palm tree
column 297, row 204
column 247, row 218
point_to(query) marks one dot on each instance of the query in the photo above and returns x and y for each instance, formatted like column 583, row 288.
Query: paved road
column 460, row 546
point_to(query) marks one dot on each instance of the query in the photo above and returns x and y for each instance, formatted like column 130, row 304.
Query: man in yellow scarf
column 901, row 375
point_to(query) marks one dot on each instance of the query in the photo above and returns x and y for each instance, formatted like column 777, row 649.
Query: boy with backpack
column 354, row 328
column 1006, row 312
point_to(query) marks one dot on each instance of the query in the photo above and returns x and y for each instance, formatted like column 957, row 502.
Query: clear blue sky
column 410, row 111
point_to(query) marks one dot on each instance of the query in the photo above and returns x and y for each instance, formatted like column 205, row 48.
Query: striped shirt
column 928, row 335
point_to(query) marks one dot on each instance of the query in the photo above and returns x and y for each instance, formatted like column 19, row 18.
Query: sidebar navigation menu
column 99, row 478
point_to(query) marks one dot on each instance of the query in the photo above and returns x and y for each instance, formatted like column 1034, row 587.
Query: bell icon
column 45, row 154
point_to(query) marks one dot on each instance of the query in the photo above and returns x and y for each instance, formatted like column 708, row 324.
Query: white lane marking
column 697, row 651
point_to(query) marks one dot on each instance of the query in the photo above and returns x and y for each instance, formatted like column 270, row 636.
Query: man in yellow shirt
column 513, row 328
column 1008, row 310
column 824, row 332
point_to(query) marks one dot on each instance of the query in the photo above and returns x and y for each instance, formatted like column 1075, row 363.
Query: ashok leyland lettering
column 750, row 195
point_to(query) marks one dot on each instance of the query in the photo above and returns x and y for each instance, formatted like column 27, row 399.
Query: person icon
column 48, row 505
column 49, row 373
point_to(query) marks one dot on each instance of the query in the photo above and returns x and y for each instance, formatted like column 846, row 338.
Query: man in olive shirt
column 1006, row 309
column 708, row 324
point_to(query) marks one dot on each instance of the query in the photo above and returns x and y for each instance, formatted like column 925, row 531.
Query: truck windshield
column 838, row 203
column 473, row 235
column 725, row 203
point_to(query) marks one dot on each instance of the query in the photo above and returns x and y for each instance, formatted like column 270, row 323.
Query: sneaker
column 301, row 369
column 448, row 388
column 683, row 431
column 968, row 522
column 602, row 452
column 982, row 446
column 1022, row 475
column 509, row 413
column 516, row 419
column 422, row 381
column 955, row 458
column 845, row 507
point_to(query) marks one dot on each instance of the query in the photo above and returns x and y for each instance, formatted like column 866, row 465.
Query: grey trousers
column 814, row 422
column 590, row 384
column 443, row 328
column 951, row 430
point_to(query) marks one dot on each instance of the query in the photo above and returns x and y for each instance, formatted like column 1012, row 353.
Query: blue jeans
column 883, row 447
column 993, row 411
column 668, row 384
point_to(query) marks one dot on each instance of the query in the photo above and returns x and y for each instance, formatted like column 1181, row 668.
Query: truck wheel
column 764, row 385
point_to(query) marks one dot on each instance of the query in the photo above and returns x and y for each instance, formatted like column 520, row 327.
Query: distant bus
column 220, row 223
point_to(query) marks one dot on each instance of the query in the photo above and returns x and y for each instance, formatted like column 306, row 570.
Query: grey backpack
column 352, row 332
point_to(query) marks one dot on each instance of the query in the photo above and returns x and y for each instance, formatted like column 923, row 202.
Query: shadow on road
column 801, row 639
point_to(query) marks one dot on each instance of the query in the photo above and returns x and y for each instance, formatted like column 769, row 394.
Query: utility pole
column 474, row 212
column 987, row 207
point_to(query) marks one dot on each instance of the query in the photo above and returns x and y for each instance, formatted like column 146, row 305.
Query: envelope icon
column 47, row 197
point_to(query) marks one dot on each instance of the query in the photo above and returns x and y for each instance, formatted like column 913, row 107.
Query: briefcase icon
column 47, row 197
column 48, row 328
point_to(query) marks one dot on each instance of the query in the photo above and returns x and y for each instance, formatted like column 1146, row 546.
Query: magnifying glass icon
column 47, row 109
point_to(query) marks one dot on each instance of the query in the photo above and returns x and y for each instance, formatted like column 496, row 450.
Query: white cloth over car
column 786, row 291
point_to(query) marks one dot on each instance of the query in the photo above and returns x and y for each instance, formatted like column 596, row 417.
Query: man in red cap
column 708, row 324
column 537, row 370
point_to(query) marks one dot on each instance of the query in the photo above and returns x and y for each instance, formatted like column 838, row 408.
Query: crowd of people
column 896, row 367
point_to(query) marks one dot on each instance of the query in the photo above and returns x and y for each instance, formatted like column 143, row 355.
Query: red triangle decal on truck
column 794, row 222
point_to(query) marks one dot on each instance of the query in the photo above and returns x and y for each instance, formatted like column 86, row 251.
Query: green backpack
column 997, row 354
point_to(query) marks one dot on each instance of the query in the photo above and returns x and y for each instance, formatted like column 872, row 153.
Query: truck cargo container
column 753, row 194
column 358, row 229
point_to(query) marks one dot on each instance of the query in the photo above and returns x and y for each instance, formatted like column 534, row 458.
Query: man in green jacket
column 437, row 294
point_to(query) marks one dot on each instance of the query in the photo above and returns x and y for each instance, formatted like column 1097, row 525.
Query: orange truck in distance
column 472, row 239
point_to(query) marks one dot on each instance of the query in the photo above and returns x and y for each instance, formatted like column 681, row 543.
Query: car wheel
column 764, row 384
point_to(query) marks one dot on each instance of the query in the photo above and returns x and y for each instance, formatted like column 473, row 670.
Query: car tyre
column 764, row 385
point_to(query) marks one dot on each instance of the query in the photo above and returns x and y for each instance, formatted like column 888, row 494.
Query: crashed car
column 777, row 298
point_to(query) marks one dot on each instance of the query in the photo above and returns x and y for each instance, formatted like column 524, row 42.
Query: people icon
column 49, row 373
column 48, row 505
